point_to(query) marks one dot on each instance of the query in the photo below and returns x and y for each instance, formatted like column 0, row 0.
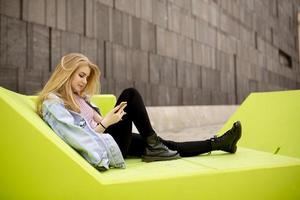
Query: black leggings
column 133, row 144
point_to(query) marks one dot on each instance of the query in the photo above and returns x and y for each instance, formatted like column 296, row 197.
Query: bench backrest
column 270, row 122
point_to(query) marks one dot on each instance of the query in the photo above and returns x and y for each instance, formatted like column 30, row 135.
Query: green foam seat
column 37, row 164
column 270, row 122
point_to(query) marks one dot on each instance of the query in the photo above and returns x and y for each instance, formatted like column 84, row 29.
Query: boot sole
column 158, row 158
column 233, row 145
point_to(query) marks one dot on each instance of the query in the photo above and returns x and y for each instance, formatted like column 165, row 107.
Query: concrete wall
column 176, row 52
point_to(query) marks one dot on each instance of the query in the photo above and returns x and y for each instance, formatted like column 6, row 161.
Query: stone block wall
column 176, row 52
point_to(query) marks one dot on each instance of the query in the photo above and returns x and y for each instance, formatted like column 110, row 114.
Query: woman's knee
column 131, row 91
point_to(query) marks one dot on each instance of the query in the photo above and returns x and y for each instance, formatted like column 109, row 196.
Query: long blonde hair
column 60, row 81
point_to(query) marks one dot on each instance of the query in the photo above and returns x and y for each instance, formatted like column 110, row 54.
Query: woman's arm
column 100, row 153
column 98, row 118
column 114, row 116
column 99, row 128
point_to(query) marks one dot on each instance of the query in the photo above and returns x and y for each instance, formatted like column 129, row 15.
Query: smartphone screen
column 122, row 104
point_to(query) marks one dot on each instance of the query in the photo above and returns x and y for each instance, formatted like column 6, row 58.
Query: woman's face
column 79, row 79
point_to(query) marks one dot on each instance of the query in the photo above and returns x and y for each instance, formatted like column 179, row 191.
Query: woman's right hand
column 114, row 116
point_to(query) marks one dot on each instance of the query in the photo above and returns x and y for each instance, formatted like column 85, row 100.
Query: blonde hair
column 60, row 81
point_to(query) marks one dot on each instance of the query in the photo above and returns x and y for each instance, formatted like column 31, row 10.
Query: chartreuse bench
column 37, row 164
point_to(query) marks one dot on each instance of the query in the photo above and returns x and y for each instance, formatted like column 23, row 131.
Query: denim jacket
column 100, row 150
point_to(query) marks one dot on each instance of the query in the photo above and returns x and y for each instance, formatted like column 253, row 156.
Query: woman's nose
column 85, row 81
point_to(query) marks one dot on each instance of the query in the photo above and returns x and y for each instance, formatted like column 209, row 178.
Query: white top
column 86, row 111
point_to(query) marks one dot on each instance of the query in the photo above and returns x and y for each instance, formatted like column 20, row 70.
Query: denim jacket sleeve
column 100, row 150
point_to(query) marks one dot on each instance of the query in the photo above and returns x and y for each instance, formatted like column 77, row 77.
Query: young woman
column 64, row 104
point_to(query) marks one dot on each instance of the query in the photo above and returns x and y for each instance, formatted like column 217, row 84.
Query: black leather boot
column 157, row 151
column 227, row 142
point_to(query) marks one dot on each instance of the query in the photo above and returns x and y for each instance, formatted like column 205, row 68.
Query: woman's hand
column 115, row 115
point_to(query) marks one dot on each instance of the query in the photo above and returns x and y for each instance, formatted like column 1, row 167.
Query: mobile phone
column 122, row 104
